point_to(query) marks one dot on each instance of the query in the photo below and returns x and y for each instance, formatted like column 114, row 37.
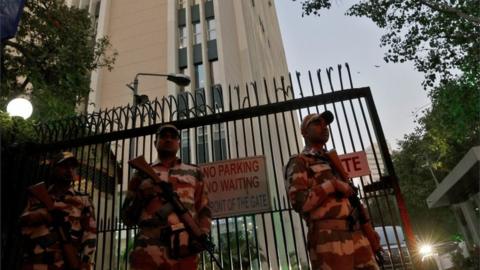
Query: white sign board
column 237, row 186
column 355, row 164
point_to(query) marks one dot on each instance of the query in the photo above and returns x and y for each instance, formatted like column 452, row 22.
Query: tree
column 445, row 132
column 440, row 37
column 51, row 58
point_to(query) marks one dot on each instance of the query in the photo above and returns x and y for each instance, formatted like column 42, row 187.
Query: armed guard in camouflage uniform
column 71, row 210
column 321, row 197
column 163, row 242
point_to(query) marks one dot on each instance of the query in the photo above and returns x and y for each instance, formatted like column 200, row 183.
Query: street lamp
column 20, row 107
column 178, row 79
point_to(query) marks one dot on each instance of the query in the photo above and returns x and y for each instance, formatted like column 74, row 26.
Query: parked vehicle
column 394, row 245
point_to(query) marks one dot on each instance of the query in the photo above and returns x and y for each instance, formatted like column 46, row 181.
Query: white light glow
column 20, row 107
column 426, row 250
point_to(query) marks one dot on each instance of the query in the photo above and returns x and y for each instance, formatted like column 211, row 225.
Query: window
column 219, row 142
column 181, row 4
column 212, row 33
column 200, row 107
column 182, row 110
column 217, row 98
column 199, row 76
column 214, row 72
column 197, row 33
column 185, row 146
column 182, row 37
column 202, row 145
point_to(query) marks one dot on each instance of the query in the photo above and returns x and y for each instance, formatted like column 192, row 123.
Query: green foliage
column 15, row 130
column 51, row 58
column 440, row 37
column 446, row 131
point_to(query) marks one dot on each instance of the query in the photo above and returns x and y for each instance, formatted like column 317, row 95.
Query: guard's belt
column 334, row 224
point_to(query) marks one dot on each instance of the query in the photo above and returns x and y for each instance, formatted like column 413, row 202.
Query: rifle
column 171, row 196
column 69, row 250
column 358, row 213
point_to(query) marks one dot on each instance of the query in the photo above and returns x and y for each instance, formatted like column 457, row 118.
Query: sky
column 314, row 42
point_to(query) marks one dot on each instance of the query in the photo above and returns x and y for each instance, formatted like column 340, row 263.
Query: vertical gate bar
column 329, row 70
column 391, row 171
column 87, row 170
column 254, row 222
column 378, row 166
column 219, row 246
column 114, row 196
column 272, row 155
column 100, row 185
column 302, row 224
column 275, row 235
column 121, row 225
column 262, row 145
column 339, row 68
column 332, row 138
column 276, row 184
column 97, row 214
column 237, row 241
column 245, row 226
column 276, row 179
column 289, row 153
column 131, row 153
column 230, row 255
column 267, row 251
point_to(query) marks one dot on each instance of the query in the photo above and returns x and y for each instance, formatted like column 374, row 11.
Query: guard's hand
column 379, row 257
column 343, row 187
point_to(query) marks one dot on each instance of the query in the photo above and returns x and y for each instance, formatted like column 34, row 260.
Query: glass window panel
column 219, row 142
column 212, row 34
column 185, row 146
column 202, row 145
column 200, row 101
column 214, row 72
column 197, row 33
column 182, row 36
column 199, row 76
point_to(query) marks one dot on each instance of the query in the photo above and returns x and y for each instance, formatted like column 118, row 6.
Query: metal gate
column 260, row 118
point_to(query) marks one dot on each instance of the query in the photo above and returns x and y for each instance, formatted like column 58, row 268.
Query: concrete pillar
column 472, row 222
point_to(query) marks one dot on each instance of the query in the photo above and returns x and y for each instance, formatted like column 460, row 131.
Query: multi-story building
column 214, row 42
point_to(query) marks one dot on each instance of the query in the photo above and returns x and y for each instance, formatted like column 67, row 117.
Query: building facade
column 214, row 42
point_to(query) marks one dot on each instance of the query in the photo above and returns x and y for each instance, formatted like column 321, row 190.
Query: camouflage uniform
column 43, row 249
column 144, row 206
column 313, row 191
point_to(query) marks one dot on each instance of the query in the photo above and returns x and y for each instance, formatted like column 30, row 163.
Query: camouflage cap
column 168, row 127
column 326, row 115
column 63, row 157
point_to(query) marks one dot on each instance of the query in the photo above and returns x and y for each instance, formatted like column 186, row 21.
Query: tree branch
column 19, row 47
column 447, row 9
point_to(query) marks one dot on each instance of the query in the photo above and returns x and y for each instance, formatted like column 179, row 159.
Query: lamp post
column 178, row 79
column 20, row 107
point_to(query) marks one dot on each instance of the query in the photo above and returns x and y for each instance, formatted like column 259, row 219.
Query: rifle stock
column 69, row 250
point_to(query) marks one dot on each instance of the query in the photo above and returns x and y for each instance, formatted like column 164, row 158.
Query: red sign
column 355, row 164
